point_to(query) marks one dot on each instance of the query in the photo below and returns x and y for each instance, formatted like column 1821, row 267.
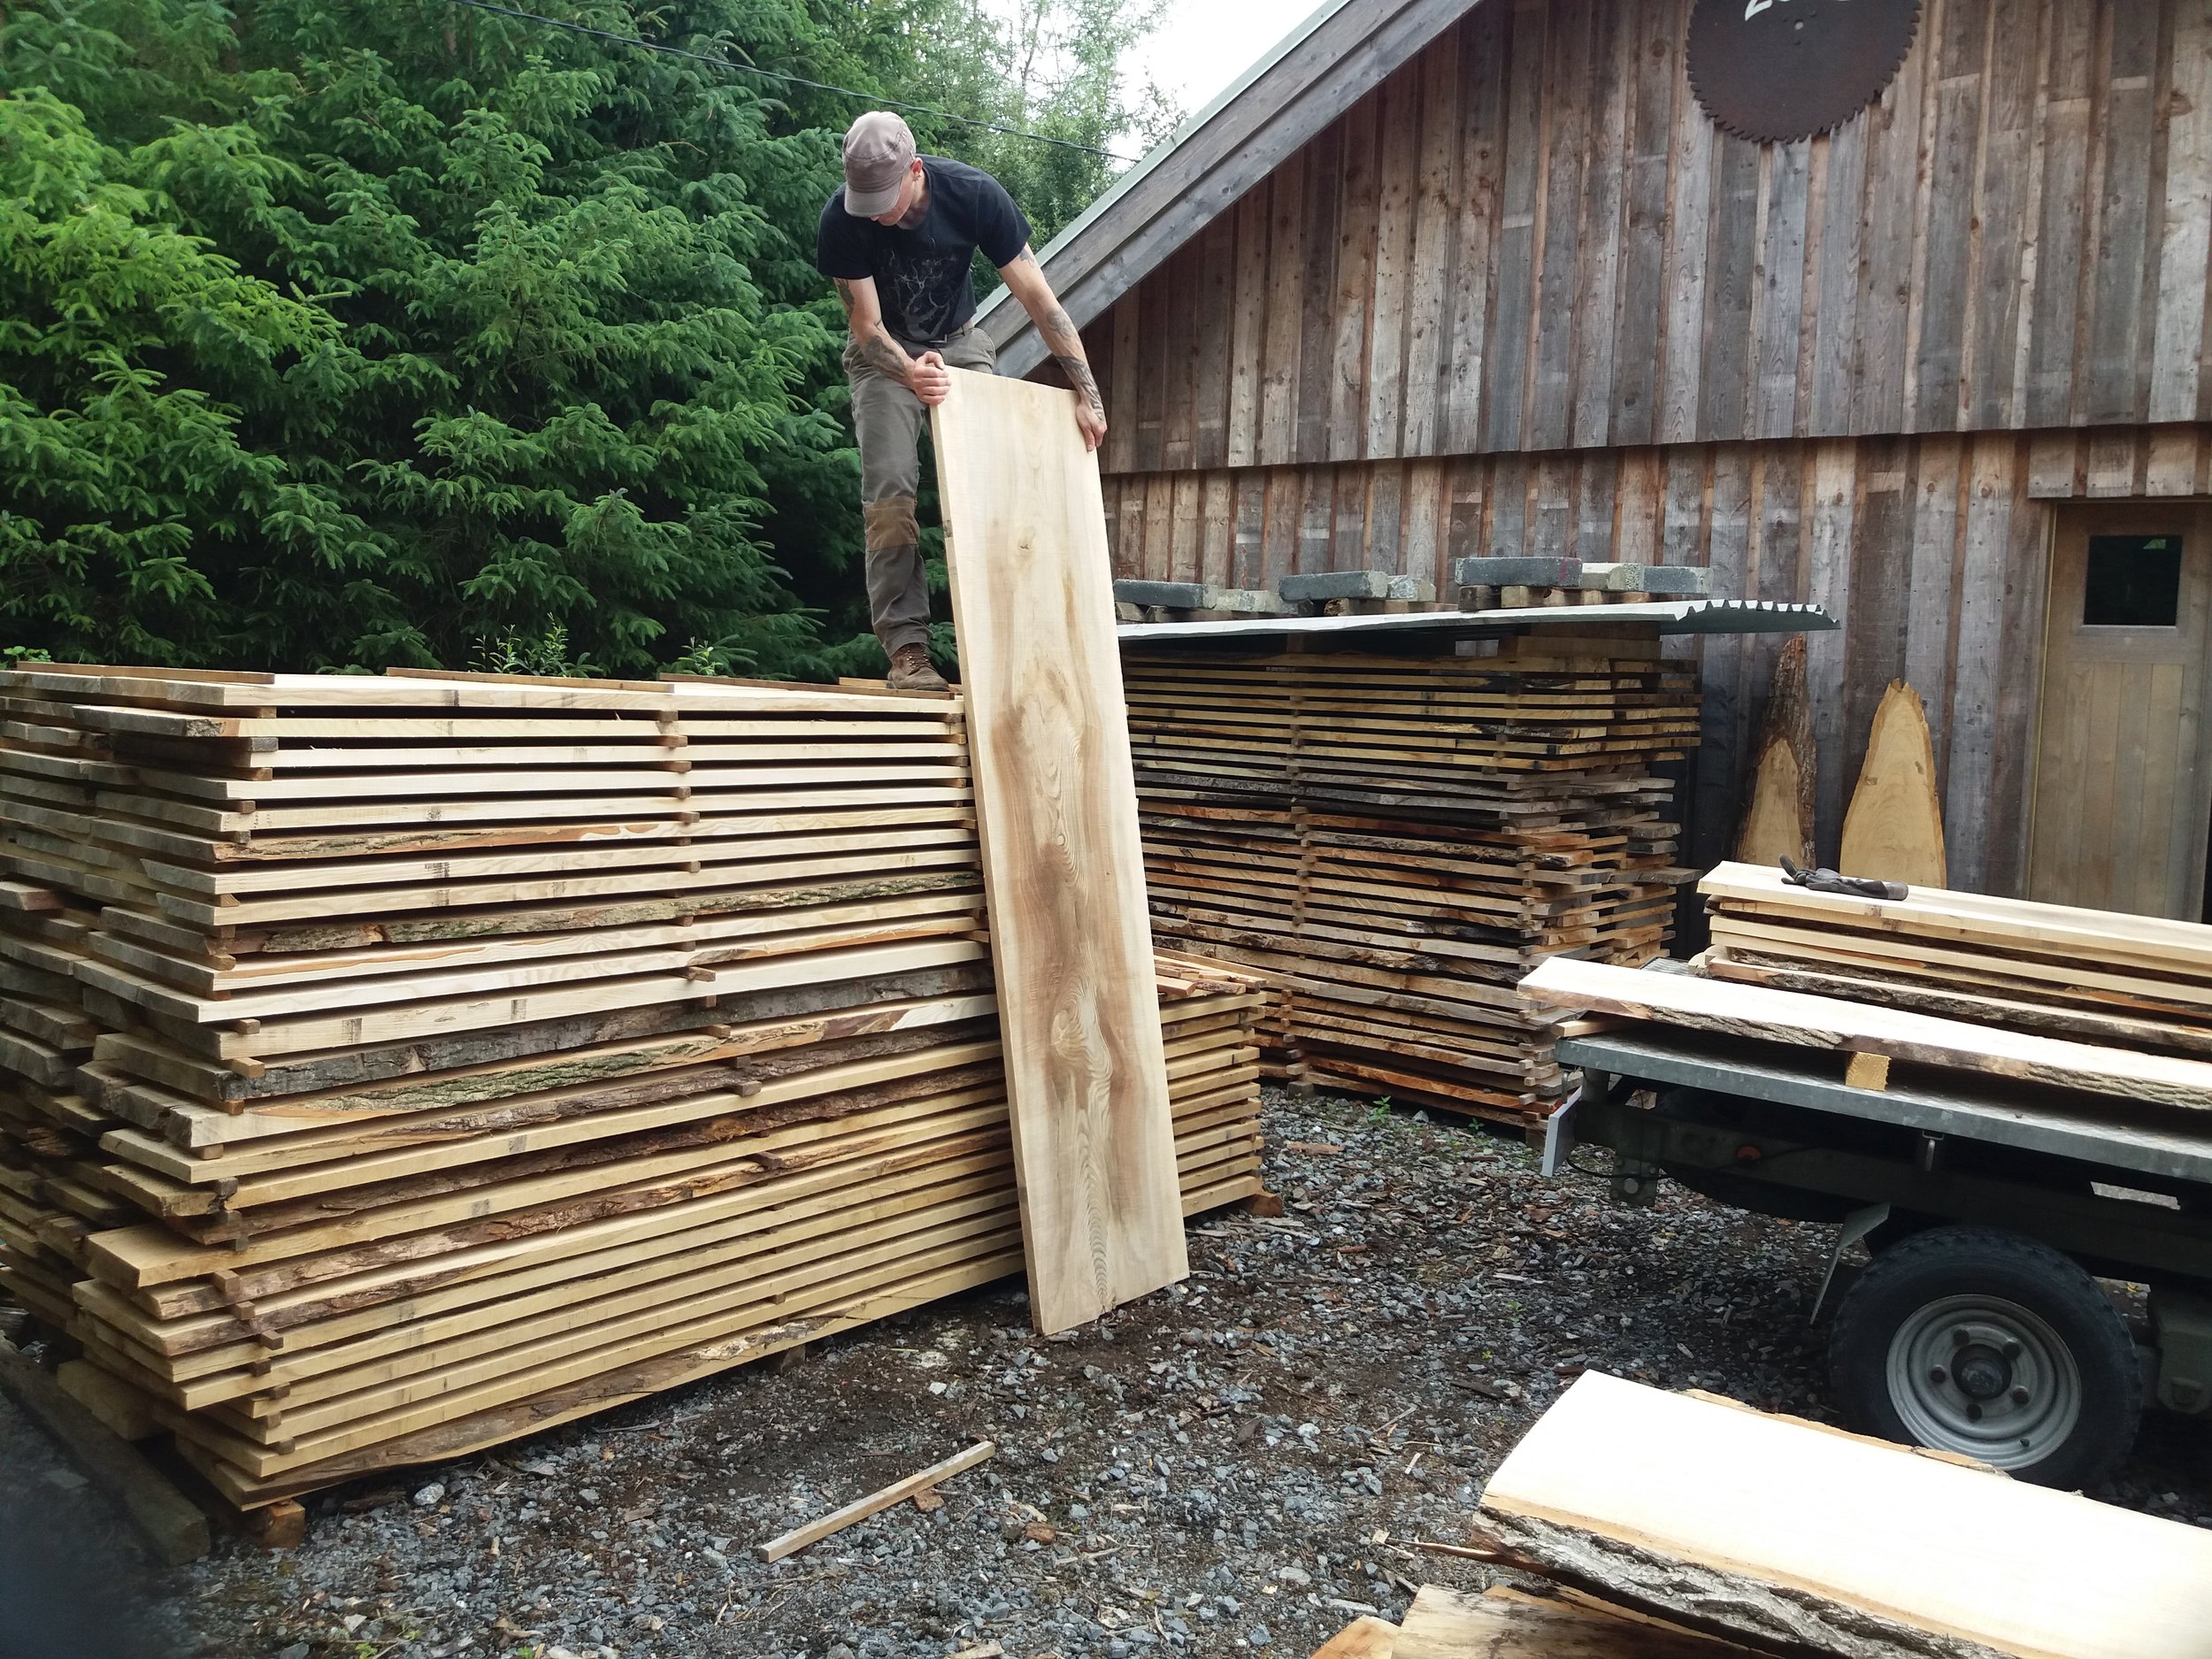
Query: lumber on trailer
column 837, row 1520
column 1893, row 829
column 1033, row 600
column 1819, row 1022
column 2120, row 981
column 427, row 1163
column 1797, row 1539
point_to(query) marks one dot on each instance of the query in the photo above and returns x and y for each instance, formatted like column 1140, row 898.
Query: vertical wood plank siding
column 1529, row 237
column 1523, row 296
column 1930, row 550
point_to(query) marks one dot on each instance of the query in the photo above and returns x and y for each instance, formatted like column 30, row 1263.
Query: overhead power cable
column 873, row 100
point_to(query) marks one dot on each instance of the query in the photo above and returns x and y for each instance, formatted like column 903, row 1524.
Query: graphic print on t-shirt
column 921, row 273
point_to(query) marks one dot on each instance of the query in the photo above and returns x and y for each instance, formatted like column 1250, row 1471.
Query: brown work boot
column 910, row 671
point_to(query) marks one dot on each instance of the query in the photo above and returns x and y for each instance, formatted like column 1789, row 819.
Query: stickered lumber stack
column 452, row 1057
column 1395, row 840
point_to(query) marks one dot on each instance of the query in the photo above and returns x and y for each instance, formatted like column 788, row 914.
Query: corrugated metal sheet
column 1688, row 615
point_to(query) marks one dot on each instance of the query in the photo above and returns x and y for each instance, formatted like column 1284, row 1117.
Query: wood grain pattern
column 1086, row 1070
column 1881, row 1565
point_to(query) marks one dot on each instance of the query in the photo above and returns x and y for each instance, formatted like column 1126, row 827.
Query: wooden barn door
column 2122, row 781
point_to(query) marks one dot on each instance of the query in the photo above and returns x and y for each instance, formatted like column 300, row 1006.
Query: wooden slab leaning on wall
column 1033, row 600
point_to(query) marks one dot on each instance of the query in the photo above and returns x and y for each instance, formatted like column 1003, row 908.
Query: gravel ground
column 1241, row 1465
column 73, row 1581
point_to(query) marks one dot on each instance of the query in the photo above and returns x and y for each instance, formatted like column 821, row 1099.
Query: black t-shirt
column 922, row 274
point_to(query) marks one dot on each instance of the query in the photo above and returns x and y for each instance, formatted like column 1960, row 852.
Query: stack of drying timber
column 2093, row 976
column 394, row 1066
column 1396, row 840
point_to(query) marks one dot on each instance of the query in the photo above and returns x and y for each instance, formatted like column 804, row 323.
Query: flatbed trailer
column 1992, row 1210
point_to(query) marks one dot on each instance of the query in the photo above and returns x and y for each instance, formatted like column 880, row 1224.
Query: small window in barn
column 2133, row 581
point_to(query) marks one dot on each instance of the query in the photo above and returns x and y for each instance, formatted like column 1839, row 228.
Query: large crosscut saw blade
column 1776, row 71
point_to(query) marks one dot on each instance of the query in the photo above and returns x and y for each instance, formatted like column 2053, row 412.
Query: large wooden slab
column 1810, row 1540
column 1063, row 869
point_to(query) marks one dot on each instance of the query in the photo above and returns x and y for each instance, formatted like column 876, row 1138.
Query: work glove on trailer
column 1831, row 881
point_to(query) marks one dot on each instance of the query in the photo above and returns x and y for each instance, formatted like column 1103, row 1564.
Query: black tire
column 2042, row 1378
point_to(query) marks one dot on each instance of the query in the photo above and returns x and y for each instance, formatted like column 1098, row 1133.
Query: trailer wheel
column 1972, row 1340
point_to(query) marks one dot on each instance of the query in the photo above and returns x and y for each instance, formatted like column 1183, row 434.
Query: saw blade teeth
column 1760, row 97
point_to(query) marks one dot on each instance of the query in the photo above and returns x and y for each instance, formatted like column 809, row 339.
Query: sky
column 1205, row 44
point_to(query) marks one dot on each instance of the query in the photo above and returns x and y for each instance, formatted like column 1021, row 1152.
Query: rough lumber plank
column 790, row 1543
column 1056, row 805
column 1695, row 1508
column 1814, row 1022
column 1995, row 924
column 1444, row 1623
column 1894, row 829
column 1365, row 1638
column 1779, row 819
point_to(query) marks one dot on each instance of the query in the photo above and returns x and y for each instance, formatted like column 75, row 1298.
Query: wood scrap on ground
column 912, row 1486
column 1893, row 829
column 1032, row 600
column 1395, row 840
column 1793, row 1538
column 326, row 1212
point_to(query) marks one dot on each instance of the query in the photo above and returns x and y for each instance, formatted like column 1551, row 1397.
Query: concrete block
column 1517, row 572
column 1418, row 589
column 1174, row 595
column 1672, row 581
column 1245, row 602
column 1307, row 590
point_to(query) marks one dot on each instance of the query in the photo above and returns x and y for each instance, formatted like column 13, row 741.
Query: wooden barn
column 1438, row 279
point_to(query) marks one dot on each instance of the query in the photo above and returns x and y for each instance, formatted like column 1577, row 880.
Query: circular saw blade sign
column 1776, row 71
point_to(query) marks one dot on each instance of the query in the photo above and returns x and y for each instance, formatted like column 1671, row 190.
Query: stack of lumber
column 1396, row 840
column 1785, row 1536
column 2095, row 976
column 397, row 1065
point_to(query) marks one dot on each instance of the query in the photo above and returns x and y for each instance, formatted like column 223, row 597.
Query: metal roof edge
column 1675, row 616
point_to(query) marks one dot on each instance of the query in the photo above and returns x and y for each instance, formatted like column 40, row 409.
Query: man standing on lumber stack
column 899, row 239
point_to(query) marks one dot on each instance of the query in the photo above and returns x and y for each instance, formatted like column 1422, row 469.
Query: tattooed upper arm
column 844, row 293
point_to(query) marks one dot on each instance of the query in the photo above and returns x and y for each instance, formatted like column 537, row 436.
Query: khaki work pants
column 888, row 420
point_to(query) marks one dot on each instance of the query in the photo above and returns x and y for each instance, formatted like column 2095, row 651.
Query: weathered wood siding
column 1531, row 238
column 1523, row 296
column 1932, row 551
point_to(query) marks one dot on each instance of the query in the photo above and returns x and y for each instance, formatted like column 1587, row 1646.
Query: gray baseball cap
column 879, row 150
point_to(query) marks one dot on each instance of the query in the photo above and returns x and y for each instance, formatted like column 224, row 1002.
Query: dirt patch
column 1241, row 1465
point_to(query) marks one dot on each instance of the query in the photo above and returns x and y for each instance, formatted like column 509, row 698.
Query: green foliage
column 360, row 332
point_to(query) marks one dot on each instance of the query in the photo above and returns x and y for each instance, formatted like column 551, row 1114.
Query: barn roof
column 1312, row 76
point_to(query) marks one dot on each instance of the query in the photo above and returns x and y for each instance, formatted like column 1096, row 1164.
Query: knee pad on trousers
column 891, row 523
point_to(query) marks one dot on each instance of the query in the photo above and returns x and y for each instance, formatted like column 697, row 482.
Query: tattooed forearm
column 1065, row 342
column 882, row 354
column 1079, row 376
column 878, row 349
